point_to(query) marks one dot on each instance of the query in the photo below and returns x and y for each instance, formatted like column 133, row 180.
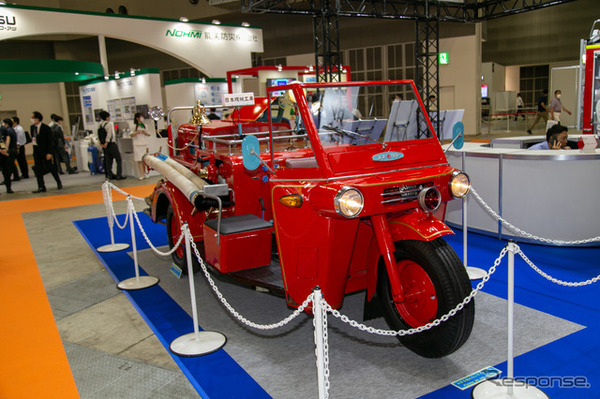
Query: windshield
column 359, row 115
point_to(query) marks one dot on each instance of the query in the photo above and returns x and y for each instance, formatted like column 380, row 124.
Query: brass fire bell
column 199, row 116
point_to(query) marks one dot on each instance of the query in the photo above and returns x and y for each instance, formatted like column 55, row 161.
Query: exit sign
column 443, row 58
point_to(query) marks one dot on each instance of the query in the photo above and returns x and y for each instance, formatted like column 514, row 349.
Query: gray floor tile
column 79, row 294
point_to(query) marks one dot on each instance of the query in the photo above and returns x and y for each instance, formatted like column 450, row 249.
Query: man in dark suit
column 43, row 150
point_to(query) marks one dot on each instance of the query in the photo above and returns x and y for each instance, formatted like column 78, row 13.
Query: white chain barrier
column 430, row 325
column 125, row 193
column 322, row 307
column 107, row 198
column 552, row 279
column 525, row 234
column 234, row 312
column 156, row 250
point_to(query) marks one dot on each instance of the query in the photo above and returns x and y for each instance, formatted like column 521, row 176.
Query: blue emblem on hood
column 388, row 156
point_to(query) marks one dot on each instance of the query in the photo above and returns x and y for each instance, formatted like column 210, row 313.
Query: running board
column 268, row 277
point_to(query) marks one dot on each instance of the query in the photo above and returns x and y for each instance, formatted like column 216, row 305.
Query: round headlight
column 460, row 185
column 430, row 199
column 348, row 202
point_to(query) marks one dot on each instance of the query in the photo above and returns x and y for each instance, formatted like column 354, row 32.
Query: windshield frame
column 320, row 152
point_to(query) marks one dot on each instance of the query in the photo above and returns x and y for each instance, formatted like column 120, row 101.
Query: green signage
column 443, row 58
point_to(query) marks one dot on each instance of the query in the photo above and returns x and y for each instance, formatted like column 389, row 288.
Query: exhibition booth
column 257, row 79
column 122, row 96
column 185, row 92
column 544, row 192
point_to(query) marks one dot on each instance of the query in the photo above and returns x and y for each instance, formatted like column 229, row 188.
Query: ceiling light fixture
column 216, row 22
column 245, row 24
column 184, row 19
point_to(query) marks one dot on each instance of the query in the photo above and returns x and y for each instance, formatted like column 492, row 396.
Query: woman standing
column 140, row 142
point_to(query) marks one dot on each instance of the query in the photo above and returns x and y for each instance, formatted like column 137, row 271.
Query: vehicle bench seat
column 239, row 224
column 301, row 163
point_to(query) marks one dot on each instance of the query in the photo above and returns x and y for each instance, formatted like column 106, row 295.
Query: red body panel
column 239, row 251
column 591, row 55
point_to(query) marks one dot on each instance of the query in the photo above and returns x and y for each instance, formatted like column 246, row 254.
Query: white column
column 103, row 57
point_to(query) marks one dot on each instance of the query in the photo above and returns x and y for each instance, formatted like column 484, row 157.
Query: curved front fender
column 416, row 225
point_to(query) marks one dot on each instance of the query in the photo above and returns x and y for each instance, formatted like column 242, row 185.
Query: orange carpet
column 34, row 364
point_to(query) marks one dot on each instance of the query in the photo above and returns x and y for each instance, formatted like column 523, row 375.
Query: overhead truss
column 444, row 11
column 327, row 43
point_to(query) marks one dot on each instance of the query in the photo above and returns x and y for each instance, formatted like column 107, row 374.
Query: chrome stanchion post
column 112, row 247
column 474, row 273
column 510, row 298
column 199, row 342
column 320, row 350
column 137, row 282
column 505, row 388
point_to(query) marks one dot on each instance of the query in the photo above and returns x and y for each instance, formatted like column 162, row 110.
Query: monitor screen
column 278, row 82
column 484, row 91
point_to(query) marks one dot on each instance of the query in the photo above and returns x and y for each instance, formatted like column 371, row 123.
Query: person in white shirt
column 111, row 150
column 21, row 141
column 140, row 142
column 520, row 106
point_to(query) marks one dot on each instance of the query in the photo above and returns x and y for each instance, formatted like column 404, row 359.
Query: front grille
column 396, row 195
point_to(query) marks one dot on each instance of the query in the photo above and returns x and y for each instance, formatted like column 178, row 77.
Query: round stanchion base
column 498, row 389
column 189, row 346
column 134, row 283
column 112, row 247
column 475, row 273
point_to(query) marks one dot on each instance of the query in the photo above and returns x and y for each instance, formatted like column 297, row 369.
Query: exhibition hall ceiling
column 148, row 8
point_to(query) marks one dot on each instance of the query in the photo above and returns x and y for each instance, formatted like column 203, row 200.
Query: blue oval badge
column 387, row 156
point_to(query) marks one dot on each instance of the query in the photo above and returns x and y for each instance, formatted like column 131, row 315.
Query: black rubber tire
column 452, row 285
column 181, row 260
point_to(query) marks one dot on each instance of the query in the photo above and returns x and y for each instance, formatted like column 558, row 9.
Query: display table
column 125, row 144
column 549, row 193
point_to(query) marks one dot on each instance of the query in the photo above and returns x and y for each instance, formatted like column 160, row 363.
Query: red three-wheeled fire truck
column 329, row 185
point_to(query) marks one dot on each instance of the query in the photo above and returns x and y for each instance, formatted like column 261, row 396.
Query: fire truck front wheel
column 173, row 232
column 433, row 281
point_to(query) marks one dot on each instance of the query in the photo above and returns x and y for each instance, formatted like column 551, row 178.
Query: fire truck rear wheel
column 433, row 281
column 179, row 256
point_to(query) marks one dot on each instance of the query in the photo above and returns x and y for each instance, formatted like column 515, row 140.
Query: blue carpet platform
column 214, row 376
column 218, row 375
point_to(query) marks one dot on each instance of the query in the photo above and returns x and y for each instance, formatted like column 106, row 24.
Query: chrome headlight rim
column 454, row 176
column 339, row 197
column 422, row 198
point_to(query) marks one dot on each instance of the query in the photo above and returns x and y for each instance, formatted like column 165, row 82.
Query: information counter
column 548, row 193
column 125, row 144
